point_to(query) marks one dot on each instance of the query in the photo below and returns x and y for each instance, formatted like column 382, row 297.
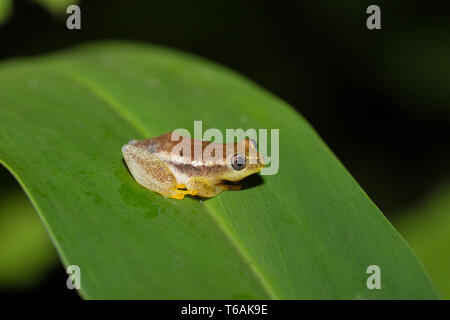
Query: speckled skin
column 174, row 166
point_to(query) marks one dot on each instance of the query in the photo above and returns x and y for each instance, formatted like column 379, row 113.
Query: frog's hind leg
column 228, row 187
column 202, row 187
column 151, row 172
column 179, row 194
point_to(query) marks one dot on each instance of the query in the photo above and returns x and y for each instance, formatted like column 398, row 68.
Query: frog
column 170, row 164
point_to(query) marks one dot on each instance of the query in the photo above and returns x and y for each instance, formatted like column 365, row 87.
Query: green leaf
column 307, row 232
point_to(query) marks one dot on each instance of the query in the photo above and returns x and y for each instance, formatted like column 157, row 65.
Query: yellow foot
column 181, row 186
column 179, row 194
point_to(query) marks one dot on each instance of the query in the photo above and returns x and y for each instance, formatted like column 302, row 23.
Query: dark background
column 379, row 98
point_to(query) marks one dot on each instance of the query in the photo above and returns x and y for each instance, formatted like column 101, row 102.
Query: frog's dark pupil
column 238, row 162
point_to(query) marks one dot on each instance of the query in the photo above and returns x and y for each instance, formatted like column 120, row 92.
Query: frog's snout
column 261, row 161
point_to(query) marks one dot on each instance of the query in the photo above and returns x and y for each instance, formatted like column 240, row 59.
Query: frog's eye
column 238, row 161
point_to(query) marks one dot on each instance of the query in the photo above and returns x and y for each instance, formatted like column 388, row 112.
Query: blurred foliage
column 415, row 67
column 26, row 253
column 426, row 227
column 5, row 10
column 56, row 7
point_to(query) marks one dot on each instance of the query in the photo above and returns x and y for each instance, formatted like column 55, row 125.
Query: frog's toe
column 177, row 195
column 181, row 186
